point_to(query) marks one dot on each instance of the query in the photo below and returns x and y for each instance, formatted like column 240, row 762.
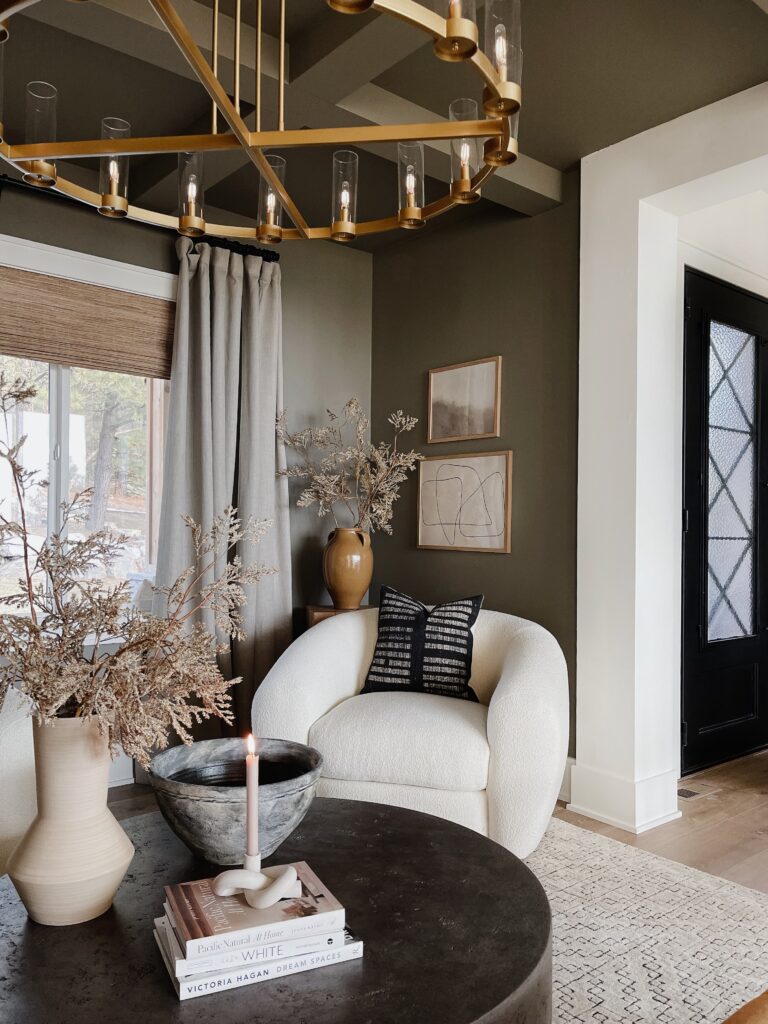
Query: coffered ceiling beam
column 527, row 185
column 341, row 54
column 133, row 28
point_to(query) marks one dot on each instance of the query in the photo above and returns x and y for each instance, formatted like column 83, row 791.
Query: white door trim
column 630, row 445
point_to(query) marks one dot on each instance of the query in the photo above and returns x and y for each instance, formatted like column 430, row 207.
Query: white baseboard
column 565, row 788
column 624, row 825
column 635, row 805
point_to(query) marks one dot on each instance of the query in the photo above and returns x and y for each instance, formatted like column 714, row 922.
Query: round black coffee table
column 456, row 930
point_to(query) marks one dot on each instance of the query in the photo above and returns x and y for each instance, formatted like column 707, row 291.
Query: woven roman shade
column 61, row 321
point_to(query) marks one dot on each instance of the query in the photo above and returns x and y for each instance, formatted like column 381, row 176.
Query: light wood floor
column 724, row 827
column 723, row 830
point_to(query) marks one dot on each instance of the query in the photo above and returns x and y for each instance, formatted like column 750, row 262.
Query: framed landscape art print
column 465, row 502
column 465, row 401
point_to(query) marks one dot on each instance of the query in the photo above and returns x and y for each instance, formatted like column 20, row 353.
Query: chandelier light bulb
column 344, row 200
column 500, row 50
column 464, row 158
column 192, row 192
column 114, row 175
column 410, row 185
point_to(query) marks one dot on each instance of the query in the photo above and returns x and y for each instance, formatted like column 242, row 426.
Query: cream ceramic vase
column 68, row 866
column 347, row 567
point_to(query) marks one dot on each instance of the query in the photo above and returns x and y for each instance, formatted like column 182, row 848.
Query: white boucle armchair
column 496, row 766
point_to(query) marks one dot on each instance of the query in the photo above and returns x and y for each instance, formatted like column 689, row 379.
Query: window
column 89, row 429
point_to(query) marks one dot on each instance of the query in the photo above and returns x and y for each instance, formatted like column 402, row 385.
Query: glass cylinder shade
column 503, row 40
column 503, row 47
column 344, row 195
column 41, row 112
column 465, row 153
column 40, row 127
column 270, row 208
column 191, row 220
column 410, row 184
column 113, row 170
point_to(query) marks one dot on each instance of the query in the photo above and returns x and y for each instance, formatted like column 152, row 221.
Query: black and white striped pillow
column 421, row 649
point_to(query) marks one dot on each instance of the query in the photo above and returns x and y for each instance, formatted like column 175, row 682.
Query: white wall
column 630, row 464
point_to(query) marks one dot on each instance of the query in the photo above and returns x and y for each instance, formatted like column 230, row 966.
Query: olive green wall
column 326, row 325
column 495, row 285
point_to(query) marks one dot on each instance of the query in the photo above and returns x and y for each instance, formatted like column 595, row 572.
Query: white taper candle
column 252, row 799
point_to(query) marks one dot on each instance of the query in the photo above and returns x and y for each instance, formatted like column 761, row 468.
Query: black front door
column 725, row 505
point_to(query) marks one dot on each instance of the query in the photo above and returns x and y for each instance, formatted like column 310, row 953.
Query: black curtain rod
column 268, row 255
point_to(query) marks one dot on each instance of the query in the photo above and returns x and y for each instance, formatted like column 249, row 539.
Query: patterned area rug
column 642, row 940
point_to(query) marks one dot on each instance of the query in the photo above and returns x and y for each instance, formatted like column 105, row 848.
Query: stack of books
column 215, row 943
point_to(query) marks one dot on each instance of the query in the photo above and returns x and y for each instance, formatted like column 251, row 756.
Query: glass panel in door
column 731, row 477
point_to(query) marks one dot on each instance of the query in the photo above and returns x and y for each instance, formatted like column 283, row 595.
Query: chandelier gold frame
column 501, row 100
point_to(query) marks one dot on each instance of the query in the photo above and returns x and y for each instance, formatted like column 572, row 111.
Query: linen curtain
column 221, row 447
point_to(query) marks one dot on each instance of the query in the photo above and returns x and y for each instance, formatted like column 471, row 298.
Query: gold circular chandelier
column 478, row 145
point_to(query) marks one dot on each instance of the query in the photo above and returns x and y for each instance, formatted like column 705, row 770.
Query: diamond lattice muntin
column 731, row 503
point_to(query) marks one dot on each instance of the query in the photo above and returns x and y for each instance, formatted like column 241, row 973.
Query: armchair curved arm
column 528, row 724
column 320, row 669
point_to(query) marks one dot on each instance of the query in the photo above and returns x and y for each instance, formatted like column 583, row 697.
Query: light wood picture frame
column 464, row 401
column 465, row 503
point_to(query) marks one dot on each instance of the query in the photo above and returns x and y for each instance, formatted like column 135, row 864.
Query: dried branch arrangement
column 347, row 473
column 76, row 646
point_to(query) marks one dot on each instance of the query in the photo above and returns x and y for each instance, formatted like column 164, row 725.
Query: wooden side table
column 317, row 612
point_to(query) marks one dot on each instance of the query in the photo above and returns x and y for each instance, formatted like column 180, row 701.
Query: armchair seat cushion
column 407, row 739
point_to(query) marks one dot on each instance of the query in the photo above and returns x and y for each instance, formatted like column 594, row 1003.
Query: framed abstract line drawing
column 464, row 401
column 465, row 502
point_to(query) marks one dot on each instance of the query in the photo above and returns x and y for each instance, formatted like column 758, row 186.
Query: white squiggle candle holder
column 262, row 888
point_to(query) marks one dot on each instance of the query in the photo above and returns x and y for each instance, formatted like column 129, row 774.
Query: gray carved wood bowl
column 201, row 792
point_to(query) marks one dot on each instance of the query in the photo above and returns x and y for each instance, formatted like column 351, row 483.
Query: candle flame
column 250, row 744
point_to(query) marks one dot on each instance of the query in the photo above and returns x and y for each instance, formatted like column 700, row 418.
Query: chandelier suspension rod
column 179, row 32
column 258, row 65
column 215, row 62
column 238, row 7
column 281, row 89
